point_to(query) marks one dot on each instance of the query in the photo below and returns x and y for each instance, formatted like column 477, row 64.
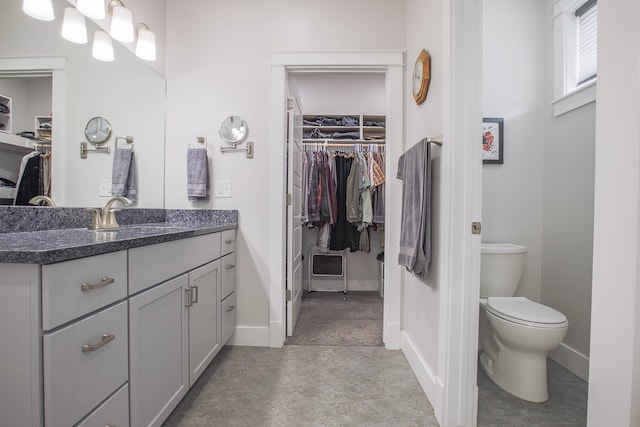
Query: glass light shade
column 92, row 8
column 74, row 28
column 102, row 47
column 121, row 24
column 39, row 9
column 146, row 46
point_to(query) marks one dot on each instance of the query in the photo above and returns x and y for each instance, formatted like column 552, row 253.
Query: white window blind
column 587, row 42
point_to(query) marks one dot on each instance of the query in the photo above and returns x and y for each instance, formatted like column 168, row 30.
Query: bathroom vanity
column 112, row 327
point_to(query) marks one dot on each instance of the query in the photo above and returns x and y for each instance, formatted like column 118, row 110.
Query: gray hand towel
column 197, row 174
column 123, row 178
column 414, row 169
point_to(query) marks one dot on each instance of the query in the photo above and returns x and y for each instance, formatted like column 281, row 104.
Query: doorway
column 389, row 64
column 336, row 127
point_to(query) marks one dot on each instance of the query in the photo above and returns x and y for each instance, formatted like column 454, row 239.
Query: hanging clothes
column 343, row 190
column 34, row 177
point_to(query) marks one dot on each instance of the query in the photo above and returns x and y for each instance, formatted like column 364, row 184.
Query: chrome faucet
column 47, row 201
column 105, row 218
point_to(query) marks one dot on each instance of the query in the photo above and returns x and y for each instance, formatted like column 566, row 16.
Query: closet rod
column 338, row 144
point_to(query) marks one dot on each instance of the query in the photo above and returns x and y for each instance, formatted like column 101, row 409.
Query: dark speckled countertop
column 51, row 238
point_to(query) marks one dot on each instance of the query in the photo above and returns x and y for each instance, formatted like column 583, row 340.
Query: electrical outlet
column 105, row 188
column 223, row 188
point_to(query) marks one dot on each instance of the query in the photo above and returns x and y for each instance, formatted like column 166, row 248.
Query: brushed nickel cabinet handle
column 91, row 286
column 195, row 298
column 230, row 308
column 230, row 266
column 106, row 339
column 188, row 296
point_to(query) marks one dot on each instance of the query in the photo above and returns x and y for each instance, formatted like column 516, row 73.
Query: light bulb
column 39, row 9
column 102, row 47
column 74, row 28
column 146, row 45
column 92, row 8
column 121, row 24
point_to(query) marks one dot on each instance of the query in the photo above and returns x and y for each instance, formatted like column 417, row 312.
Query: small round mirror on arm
column 98, row 130
column 233, row 130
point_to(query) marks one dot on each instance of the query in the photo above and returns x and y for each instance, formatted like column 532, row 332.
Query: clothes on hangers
column 34, row 177
column 343, row 189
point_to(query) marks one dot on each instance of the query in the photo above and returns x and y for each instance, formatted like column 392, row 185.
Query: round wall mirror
column 98, row 130
column 233, row 130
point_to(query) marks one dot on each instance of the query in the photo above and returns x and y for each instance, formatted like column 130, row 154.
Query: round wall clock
column 421, row 77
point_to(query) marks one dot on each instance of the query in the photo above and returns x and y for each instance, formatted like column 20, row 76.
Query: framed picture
column 492, row 140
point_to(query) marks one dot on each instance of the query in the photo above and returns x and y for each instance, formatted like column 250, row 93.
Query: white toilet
column 516, row 333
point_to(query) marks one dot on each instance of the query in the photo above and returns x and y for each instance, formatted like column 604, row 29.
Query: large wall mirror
column 128, row 92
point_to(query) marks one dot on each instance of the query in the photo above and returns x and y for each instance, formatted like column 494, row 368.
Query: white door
column 294, row 213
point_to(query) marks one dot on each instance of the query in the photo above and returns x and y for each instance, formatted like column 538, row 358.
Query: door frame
column 392, row 65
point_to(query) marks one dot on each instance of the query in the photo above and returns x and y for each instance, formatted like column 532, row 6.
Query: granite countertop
column 47, row 246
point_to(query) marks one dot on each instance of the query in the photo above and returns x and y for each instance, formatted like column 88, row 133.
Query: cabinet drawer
column 228, row 308
column 113, row 412
column 228, row 275
column 76, row 377
column 74, row 288
column 150, row 265
column 228, row 242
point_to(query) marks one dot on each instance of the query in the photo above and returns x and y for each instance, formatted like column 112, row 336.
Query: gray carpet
column 335, row 318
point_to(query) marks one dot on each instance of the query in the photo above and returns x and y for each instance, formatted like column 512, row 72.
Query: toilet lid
column 524, row 311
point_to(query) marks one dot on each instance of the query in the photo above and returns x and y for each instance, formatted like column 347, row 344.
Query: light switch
column 223, row 188
column 105, row 188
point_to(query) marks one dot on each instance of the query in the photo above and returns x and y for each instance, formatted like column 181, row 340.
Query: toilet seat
column 523, row 311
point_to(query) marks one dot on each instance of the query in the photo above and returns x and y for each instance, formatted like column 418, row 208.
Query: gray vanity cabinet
column 174, row 326
column 113, row 339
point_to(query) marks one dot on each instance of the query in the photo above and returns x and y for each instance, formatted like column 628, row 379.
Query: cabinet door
column 158, row 352
column 204, row 318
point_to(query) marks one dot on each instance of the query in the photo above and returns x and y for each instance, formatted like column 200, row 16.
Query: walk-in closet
column 25, row 137
column 343, row 137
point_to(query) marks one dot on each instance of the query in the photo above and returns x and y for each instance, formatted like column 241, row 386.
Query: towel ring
column 128, row 139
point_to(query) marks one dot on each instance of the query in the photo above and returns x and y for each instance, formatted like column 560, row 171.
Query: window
column 575, row 54
column 587, row 41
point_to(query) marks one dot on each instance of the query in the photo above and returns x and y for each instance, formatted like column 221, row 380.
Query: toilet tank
column 501, row 267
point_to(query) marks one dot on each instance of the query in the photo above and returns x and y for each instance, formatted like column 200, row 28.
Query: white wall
column 512, row 89
column 421, row 301
column 230, row 74
column 567, row 235
column 614, row 375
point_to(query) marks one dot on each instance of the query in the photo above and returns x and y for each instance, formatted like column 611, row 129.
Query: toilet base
column 526, row 381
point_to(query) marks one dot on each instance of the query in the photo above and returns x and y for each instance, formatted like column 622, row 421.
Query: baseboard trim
column 428, row 381
column 256, row 336
column 571, row 359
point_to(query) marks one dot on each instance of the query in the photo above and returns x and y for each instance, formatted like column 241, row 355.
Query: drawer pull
column 230, row 266
column 229, row 241
column 195, row 298
column 230, row 308
column 106, row 339
column 91, row 286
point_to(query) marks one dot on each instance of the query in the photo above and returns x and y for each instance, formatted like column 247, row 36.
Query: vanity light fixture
column 74, row 27
column 146, row 45
column 102, row 47
column 121, row 22
column 92, row 8
column 39, row 9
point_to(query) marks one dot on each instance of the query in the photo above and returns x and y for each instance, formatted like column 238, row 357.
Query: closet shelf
column 7, row 193
column 371, row 128
column 10, row 142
